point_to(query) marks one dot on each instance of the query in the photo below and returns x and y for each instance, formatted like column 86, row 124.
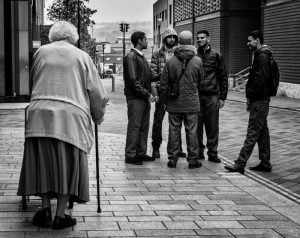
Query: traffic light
column 122, row 27
column 126, row 27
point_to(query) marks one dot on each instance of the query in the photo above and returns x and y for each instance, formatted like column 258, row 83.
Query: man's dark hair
column 203, row 32
column 257, row 34
column 136, row 36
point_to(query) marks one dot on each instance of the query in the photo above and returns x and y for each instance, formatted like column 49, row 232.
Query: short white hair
column 63, row 30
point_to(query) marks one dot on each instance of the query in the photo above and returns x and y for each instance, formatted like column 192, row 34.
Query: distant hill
column 111, row 30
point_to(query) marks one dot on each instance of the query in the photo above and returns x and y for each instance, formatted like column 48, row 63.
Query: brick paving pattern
column 155, row 201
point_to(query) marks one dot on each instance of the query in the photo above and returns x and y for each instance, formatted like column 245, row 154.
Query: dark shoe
column 201, row 156
column 181, row 154
column 133, row 161
column 171, row 164
column 145, row 158
column 42, row 217
column 155, row 154
column 235, row 168
column 214, row 159
column 61, row 223
column 195, row 166
column 260, row 167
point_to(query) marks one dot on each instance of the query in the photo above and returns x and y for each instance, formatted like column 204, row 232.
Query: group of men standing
column 192, row 85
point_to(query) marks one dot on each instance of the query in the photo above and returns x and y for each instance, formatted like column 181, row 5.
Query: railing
column 239, row 79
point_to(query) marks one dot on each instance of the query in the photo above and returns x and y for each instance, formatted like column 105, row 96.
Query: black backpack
column 274, row 78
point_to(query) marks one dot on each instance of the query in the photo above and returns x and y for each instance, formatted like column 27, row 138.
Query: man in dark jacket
column 258, row 96
column 181, row 76
column 158, row 61
column 137, row 77
column 213, row 93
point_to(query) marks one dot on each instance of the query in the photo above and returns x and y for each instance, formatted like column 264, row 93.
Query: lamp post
column 159, row 20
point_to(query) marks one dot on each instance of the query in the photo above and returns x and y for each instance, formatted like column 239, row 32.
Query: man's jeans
column 190, row 123
column 209, row 117
column 138, row 112
column 157, row 126
column 257, row 132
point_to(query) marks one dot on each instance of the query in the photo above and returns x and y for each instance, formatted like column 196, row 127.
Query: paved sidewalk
column 153, row 200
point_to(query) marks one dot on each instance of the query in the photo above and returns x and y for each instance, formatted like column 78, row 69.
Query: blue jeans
column 257, row 132
column 138, row 112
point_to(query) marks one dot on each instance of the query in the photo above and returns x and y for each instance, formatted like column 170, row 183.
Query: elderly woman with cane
column 67, row 95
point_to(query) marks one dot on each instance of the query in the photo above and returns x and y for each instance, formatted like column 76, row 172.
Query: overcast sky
column 121, row 10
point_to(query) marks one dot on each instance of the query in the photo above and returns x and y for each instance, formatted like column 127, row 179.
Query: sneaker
column 260, row 167
column 42, row 217
column 181, row 154
column 61, row 223
column 195, row 166
column 214, row 159
column 171, row 164
column 133, row 161
column 155, row 154
column 145, row 158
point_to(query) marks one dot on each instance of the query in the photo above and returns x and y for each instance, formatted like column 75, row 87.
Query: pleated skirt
column 52, row 167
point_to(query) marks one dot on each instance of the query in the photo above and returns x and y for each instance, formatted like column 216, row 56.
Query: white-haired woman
column 67, row 95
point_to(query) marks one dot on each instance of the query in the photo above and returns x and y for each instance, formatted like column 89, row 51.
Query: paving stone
column 176, row 207
column 141, row 225
column 17, row 227
column 218, row 224
column 54, row 234
column 290, row 233
column 96, row 226
column 213, row 232
column 180, row 225
column 7, row 234
column 122, row 233
column 269, row 224
column 149, row 218
column 164, row 233
column 229, row 218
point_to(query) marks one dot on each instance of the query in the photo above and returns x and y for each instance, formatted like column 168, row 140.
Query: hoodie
column 260, row 69
column 188, row 100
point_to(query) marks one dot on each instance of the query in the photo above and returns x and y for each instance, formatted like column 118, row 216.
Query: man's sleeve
column 164, row 79
column 222, row 77
column 154, row 67
column 133, row 81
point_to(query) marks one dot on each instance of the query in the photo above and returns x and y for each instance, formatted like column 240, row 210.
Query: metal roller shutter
column 281, row 32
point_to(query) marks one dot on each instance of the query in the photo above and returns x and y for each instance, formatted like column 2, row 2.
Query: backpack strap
column 184, row 65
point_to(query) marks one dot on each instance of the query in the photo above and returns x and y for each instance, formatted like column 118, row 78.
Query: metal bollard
column 112, row 83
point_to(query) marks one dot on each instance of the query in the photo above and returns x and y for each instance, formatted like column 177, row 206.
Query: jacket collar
column 138, row 51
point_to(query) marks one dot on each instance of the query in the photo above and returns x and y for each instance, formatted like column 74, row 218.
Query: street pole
column 78, row 21
column 103, row 47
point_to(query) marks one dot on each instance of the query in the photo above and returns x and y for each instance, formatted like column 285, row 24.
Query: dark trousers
column 138, row 112
column 190, row 123
column 159, row 114
column 257, row 132
column 209, row 118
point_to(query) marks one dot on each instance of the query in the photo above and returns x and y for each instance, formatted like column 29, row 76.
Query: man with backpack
column 213, row 93
column 179, row 92
column 258, row 91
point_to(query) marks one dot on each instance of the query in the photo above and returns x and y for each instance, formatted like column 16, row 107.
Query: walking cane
column 97, row 168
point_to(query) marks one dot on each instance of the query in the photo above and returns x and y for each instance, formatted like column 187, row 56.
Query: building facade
column 281, row 27
column 19, row 35
column 230, row 21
